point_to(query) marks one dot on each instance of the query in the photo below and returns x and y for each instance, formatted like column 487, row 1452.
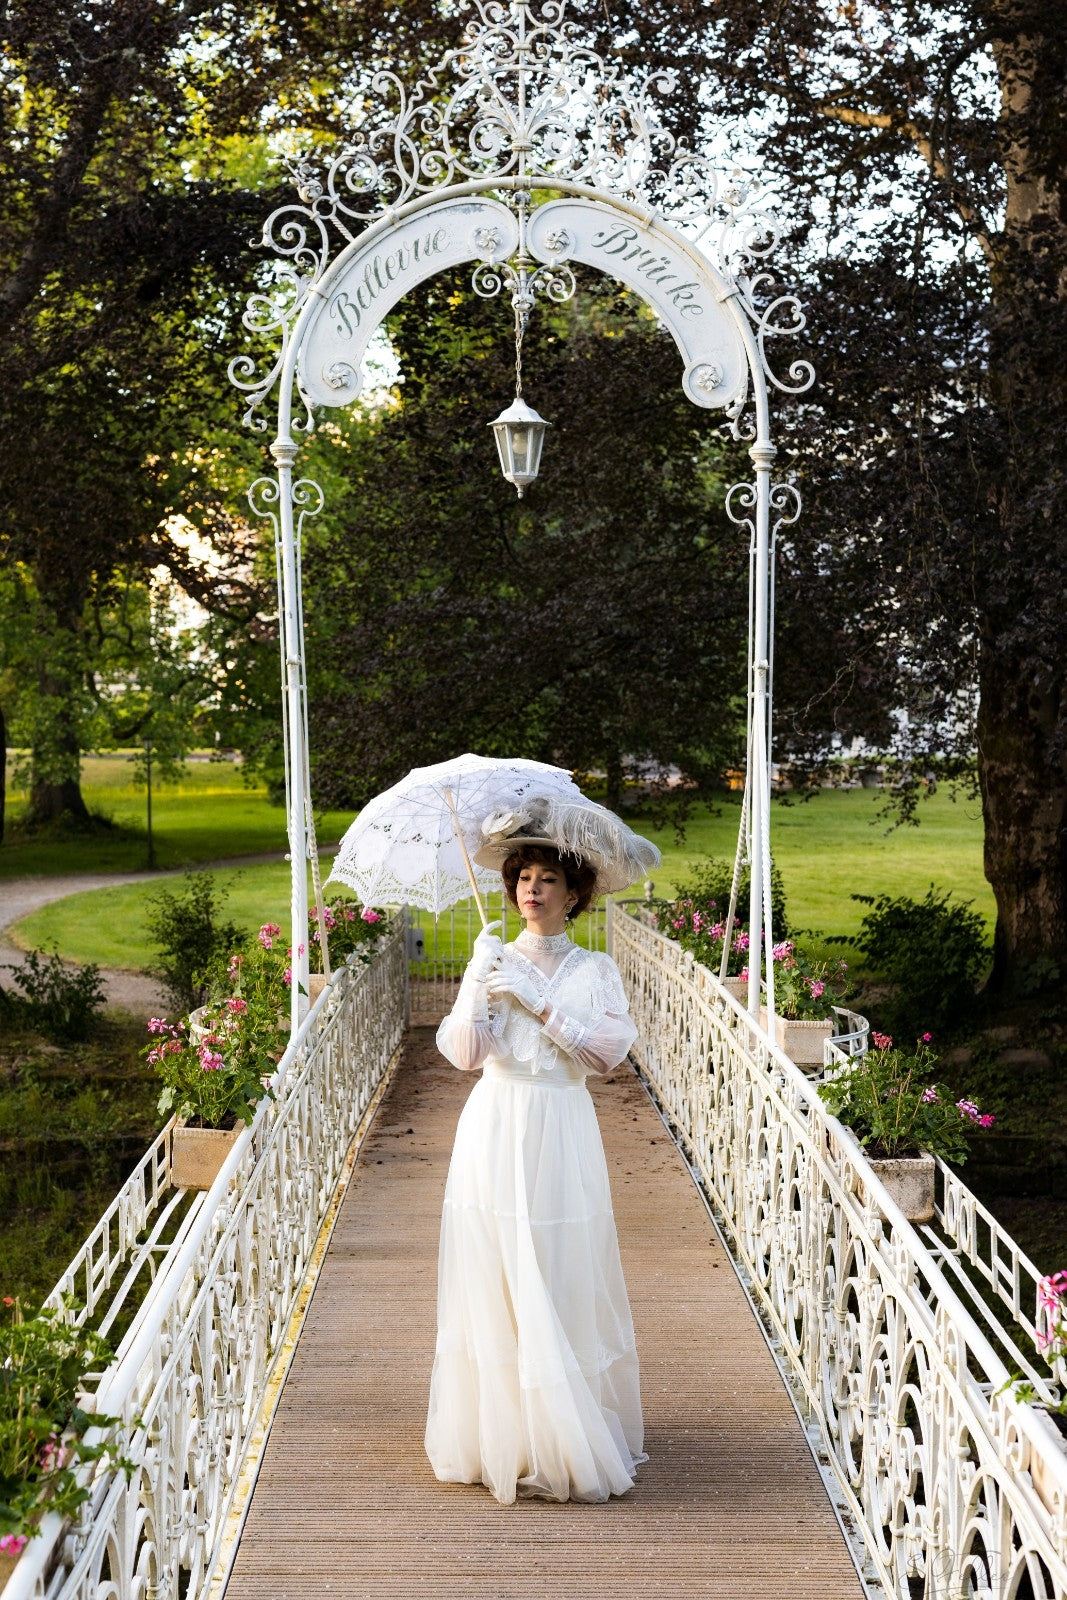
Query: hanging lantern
column 520, row 433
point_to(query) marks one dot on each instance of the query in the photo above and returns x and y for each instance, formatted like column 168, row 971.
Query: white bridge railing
column 897, row 1343
column 198, row 1368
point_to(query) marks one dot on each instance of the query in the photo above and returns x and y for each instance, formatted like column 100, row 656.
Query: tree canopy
column 923, row 152
column 600, row 622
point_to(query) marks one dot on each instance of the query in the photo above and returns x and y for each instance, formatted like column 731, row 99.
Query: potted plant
column 700, row 927
column 903, row 1118
column 350, row 930
column 1052, row 1345
column 217, row 1067
column 44, row 1362
column 805, row 994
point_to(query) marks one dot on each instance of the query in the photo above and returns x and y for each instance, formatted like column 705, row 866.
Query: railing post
column 284, row 450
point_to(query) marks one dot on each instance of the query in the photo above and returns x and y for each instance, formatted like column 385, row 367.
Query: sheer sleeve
column 469, row 1032
column 599, row 1047
column 603, row 1043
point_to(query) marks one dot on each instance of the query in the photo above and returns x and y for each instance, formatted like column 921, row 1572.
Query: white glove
column 488, row 949
column 519, row 987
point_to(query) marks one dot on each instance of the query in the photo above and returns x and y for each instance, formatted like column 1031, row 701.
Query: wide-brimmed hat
column 580, row 829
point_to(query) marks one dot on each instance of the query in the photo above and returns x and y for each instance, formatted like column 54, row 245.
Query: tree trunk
column 613, row 775
column 55, row 768
column 1023, row 779
column 1022, row 762
column 49, row 801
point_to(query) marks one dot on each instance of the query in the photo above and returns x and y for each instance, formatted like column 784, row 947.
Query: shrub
column 187, row 929
column 932, row 952
column 62, row 1001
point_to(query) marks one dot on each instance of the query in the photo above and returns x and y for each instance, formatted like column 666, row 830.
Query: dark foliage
column 61, row 1001
column 931, row 952
column 923, row 153
column 598, row 623
column 187, row 927
column 135, row 169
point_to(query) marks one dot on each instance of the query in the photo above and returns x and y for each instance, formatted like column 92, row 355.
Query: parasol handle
column 466, row 858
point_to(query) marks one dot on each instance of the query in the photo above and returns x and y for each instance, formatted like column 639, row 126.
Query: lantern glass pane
column 501, row 436
column 520, row 448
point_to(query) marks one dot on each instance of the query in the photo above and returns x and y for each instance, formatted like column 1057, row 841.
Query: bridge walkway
column 729, row 1505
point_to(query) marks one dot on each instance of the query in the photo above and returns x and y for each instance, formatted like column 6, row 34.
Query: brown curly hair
column 580, row 876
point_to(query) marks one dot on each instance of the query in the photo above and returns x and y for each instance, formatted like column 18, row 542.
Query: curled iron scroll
column 740, row 502
column 264, row 496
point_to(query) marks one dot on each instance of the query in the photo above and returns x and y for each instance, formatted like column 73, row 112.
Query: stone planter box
column 910, row 1181
column 801, row 1041
column 197, row 1154
column 7, row 1567
column 316, row 984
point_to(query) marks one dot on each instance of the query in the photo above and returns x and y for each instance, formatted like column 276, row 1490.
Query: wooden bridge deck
column 730, row 1503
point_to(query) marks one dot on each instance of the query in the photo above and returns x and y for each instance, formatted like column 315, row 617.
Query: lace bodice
column 588, row 1029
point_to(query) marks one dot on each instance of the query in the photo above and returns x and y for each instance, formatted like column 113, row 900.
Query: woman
column 535, row 1381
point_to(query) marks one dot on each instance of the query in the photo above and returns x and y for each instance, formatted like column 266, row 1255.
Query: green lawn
column 209, row 815
column 838, row 844
column 828, row 849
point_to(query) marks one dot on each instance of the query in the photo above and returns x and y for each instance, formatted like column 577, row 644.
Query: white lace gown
column 535, row 1387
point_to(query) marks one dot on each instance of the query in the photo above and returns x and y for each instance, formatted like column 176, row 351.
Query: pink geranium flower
column 371, row 916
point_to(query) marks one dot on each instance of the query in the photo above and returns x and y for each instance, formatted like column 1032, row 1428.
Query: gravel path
column 125, row 988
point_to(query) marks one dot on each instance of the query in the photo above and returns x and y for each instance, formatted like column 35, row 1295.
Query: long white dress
column 535, row 1387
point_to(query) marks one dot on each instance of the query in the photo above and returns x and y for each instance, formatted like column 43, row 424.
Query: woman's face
column 544, row 898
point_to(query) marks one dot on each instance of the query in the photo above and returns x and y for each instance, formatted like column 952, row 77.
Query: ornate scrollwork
column 526, row 100
column 783, row 318
column 308, row 501
column 740, row 504
column 785, row 506
column 264, row 497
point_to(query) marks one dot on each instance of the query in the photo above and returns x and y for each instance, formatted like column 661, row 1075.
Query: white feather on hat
column 574, row 827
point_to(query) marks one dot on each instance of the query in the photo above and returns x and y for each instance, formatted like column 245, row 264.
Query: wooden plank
column 729, row 1504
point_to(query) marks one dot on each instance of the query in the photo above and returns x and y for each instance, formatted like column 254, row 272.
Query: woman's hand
column 487, row 951
column 519, row 987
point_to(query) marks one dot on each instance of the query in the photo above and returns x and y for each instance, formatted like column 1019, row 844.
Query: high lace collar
column 551, row 943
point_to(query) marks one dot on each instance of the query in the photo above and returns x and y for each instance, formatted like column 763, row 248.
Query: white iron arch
column 539, row 154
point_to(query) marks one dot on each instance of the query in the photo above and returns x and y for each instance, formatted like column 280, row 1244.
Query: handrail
column 956, row 1486
column 192, row 1371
